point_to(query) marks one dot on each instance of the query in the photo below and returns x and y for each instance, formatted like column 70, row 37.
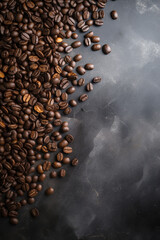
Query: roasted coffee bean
column 96, row 47
column 98, row 22
column 42, row 177
column 89, row 87
column 68, row 49
column 96, row 79
column 66, row 160
column 71, row 90
column 53, row 174
column 89, row 22
column 80, row 70
column 34, row 212
column 69, row 138
column 74, row 35
column 62, row 173
column 67, row 150
column 75, row 162
column 73, row 103
column 87, row 41
column 13, row 221
column 106, row 49
column 57, row 165
column 83, row 97
column 67, row 111
column 59, row 157
column 89, row 66
column 114, row 15
column 95, row 39
column 63, row 143
column 49, row 191
column 81, row 82
column 76, row 44
column 77, row 58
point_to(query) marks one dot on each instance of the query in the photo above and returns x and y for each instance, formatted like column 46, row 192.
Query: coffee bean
column 67, row 150
column 62, row 173
column 75, row 162
column 73, row 103
column 63, row 143
column 59, row 157
column 74, row 35
column 68, row 49
column 89, row 87
column 57, row 165
column 95, row 39
column 71, row 90
column 89, row 66
column 76, row 44
column 80, row 70
column 78, row 57
column 34, row 212
column 87, row 41
column 66, row 160
column 96, row 47
column 106, row 49
column 53, row 174
column 83, row 97
column 96, row 79
column 89, row 34
column 98, row 22
column 114, row 15
column 49, row 191
column 13, row 221
column 69, row 138
column 81, row 82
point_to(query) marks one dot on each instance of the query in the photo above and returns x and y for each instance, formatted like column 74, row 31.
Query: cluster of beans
column 36, row 84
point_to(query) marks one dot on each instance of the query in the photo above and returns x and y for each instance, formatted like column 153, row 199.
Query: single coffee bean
column 96, row 79
column 34, row 212
column 80, row 70
column 95, row 39
column 89, row 34
column 75, row 162
column 76, row 44
column 81, row 82
column 57, row 165
column 68, row 49
column 62, row 173
column 71, row 90
column 69, row 138
column 53, row 174
column 96, row 47
column 89, row 22
column 49, row 191
column 73, row 103
column 106, row 49
column 66, row 160
column 89, row 87
column 114, row 15
column 98, row 22
column 87, row 41
column 67, row 150
column 63, row 143
column 13, row 221
column 83, row 97
column 42, row 177
column 77, row 58
column 89, row 66
column 59, row 157
column 74, row 35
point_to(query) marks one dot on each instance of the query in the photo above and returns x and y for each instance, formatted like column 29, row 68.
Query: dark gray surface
column 114, row 193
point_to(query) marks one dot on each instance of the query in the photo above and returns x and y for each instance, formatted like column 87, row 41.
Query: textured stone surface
column 114, row 193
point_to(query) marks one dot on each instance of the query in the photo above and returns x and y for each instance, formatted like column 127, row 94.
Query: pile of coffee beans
column 36, row 80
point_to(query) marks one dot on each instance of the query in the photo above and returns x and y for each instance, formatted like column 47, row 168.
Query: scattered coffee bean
column 87, row 41
column 81, row 82
column 62, row 173
column 80, row 70
column 49, row 191
column 73, row 103
column 114, row 15
column 76, row 44
column 89, row 66
column 106, row 49
column 96, row 47
column 14, row 221
column 96, row 79
column 34, row 212
column 77, row 58
column 89, row 34
column 95, row 39
column 75, row 162
column 89, row 87
column 83, row 97
column 53, row 174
